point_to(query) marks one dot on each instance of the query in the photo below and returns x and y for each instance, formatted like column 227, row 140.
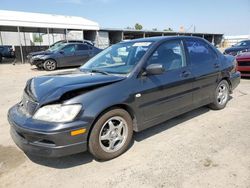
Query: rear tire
column 49, row 65
column 221, row 96
column 111, row 134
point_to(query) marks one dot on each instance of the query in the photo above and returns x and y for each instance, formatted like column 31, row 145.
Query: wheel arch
column 125, row 107
column 50, row 59
column 228, row 81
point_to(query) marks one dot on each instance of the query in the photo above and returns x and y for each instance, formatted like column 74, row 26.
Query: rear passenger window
column 82, row 47
column 200, row 52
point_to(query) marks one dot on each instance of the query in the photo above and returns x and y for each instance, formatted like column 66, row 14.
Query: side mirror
column 154, row 69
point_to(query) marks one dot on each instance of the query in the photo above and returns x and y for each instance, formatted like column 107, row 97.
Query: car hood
column 243, row 56
column 44, row 89
column 235, row 49
column 40, row 53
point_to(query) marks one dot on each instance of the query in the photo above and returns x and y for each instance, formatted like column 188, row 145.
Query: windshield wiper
column 99, row 71
column 95, row 71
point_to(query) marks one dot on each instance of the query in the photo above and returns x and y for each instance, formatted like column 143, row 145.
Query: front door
column 163, row 96
column 67, row 55
column 82, row 54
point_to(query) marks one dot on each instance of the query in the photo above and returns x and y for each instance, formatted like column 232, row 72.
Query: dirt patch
column 10, row 158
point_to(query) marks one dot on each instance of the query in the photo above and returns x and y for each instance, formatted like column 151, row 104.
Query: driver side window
column 170, row 55
column 69, row 49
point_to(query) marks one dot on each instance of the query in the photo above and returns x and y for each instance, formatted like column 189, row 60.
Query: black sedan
column 128, row 87
column 238, row 48
column 63, row 55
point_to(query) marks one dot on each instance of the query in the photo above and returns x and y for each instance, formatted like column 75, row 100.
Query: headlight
column 57, row 112
column 37, row 56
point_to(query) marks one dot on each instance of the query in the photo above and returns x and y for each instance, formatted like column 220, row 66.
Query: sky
column 230, row 17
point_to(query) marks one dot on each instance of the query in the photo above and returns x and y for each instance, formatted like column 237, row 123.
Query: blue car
column 240, row 47
column 63, row 55
column 6, row 51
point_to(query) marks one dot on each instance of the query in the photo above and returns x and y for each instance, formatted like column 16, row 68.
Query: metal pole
column 48, row 36
column 213, row 40
column 40, row 41
column 20, row 43
column 1, row 38
column 97, row 37
column 144, row 35
column 82, row 34
column 53, row 37
column 122, row 35
column 25, row 44
column 66, row 32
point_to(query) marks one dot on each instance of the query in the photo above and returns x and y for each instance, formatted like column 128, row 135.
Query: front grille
column 27, row 105
column 243, row 63
column 244, row 72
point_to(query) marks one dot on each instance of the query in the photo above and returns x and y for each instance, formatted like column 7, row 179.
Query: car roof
column 159, row 38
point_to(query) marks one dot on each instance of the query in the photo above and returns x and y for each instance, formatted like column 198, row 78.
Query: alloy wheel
column 113, row 134
column 222, row 94
column 50, row 65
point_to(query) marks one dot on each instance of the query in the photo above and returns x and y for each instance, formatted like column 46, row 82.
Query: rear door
column 82, row 54
column 205, row 66
column 161, row 97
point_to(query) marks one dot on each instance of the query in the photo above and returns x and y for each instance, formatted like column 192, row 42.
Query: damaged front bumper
column 46, row 139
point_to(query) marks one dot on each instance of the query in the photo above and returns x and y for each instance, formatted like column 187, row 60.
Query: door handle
column 185, row 74
column 216, row 65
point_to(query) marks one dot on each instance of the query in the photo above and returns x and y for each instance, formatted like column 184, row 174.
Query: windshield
column 57, row 46
column 120, row 58
column 243, row 43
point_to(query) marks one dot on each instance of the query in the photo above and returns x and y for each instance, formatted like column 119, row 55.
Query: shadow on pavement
column 84, row 158
column 140, row 136
column 62, row 162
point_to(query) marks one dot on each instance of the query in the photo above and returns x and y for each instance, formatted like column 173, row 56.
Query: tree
column 37, row 38
column 138, row 26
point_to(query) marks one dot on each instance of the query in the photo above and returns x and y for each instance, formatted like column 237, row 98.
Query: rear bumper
column 44, row 142
column 234, row 80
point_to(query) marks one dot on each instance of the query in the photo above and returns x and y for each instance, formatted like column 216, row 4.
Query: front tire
column 111, row 134
column 221, row 96
column 49, row 65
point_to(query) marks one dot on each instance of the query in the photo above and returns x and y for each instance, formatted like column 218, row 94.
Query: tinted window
column 170, row 55
column 69, row 49
column 200, row 52
column 82, row 47
column 248, row 43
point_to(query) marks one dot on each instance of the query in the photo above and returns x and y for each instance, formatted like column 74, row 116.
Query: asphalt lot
column 202, row 148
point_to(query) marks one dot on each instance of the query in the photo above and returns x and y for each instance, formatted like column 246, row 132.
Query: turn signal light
column 77, row 132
